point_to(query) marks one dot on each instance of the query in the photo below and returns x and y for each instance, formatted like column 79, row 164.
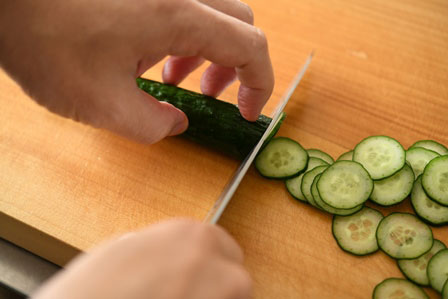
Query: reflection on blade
column 218, row 208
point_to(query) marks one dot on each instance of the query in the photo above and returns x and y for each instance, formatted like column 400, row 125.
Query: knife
column 221, row 203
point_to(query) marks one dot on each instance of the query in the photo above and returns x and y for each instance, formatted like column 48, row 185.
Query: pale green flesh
column 381, row 156
column 415, row 269
column 394, row 189
column 356, row 233
column 322, row 205
column 398, row 288
column 307, row 181
column 345, row 185
column 427, row 208
column 294, row 185
column 321, row 155
column 282, row 157
column 445, row 290
column 438, row 270
column 404, row 236
column 431, row 145
column 418, row 158
column 348, row 156
column 435, row 180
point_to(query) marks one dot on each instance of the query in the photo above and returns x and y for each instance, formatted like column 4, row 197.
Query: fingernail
column 181, row 125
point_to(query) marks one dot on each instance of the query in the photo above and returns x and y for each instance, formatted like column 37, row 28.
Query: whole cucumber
column 212, row 122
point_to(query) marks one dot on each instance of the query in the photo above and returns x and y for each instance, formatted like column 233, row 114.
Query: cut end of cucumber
column 345, row 185
column 281, row 158
column 418, row 158
column 404, row 236
column 381, row 156
column 431, row 145
column 438, row 270
column 398, row 288
column 435, row 180
column 356, row 233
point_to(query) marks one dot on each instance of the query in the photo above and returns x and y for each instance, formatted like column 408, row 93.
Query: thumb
column 132, row 113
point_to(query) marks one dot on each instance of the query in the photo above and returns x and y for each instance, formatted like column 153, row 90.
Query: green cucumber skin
column 212, row 122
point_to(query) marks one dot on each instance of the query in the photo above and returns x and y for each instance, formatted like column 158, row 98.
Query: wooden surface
column 381, row 67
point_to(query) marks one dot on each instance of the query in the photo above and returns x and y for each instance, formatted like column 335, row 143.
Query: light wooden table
column 381, row 67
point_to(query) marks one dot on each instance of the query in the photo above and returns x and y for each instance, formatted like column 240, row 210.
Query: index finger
column 229, row 42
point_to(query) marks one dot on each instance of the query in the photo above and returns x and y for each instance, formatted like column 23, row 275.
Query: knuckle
column 242, row 282
column 260, row 42
column 248, row 14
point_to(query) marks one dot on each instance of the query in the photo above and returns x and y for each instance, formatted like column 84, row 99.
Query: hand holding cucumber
column 80, row 58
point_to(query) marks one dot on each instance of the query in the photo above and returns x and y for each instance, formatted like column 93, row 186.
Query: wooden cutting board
column 381, row 67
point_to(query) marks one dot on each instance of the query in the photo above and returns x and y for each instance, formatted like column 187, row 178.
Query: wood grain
column 381, row 67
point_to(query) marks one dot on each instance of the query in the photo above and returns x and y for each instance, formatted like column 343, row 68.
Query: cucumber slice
column 438, row 270
column 394, row 189
column 323, row 206
column 427, row 209
column 345, row 185
column 398, row 288
column 381, row 156
column 404, row 236
column 346, row 156
column 435, row 180
column 415, row 269
column 281, row 158
column 431, row 145
column 356, row 233
column 312, row 152
column 294, row 185
column 445, row 290
column 418, row 158
column 307, row 181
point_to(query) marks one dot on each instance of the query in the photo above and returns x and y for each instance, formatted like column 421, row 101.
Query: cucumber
column 345, row 185
column 281, row 158
column 415, row 269
column 445, row 290
column 381, row 156
column 356, row 233
column 212, row 122
column 398, row 288
column 294, row 185
column 427, row 209
column 435, row 180
column 394, row 189
column 312, row 152
column 431, row 145
column 323, row 206
column 346, row 156
column 404, row 236
column 438, row 270
column 418, row 158
column 307, row 182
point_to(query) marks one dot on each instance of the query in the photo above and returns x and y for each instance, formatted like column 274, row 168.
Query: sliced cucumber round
column 418, row 157
column 398, row 288
column 415, row 269
column 356, row 233
column 346, row 156
column 435, row 180
column 394, row 189
column 438, row 270
column 294, row 185
column 404, row 236
column 427, row 209
column 345, row 185
column 312, row 152
column 431, row 145
column 323, row 206
column 307, row 182
column 445, row 290
column 381, row 156
column 281, row 158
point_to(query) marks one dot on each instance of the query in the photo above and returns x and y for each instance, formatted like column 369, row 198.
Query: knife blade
column 221, row 203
